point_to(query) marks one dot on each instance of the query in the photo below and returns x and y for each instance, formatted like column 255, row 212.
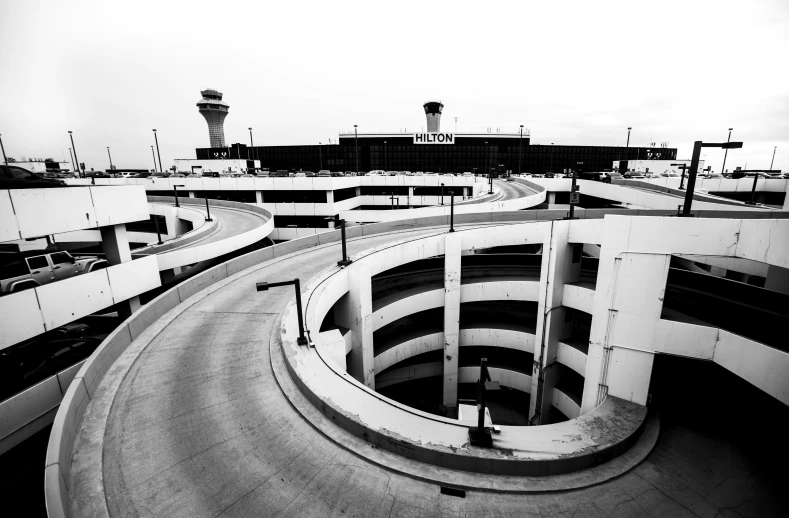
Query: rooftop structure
column 433, row 111
column 214, row 110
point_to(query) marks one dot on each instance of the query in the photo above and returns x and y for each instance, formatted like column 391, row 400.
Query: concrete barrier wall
column 79, row 208
column 578, row 297
column 31, row 312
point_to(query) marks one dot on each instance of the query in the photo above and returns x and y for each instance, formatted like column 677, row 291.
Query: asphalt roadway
column 199, row 427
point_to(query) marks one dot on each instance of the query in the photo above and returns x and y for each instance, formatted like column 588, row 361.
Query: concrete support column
column 191, row 194
column 355, row 312
column 561, row 264
column 358, row 191
column 628, row 301
column 777, row 279
column 175, row 226
column 452, row 253
column 115, row 243
column 329, row 196
column 551, row 198
column 331, row 224
column 258, row 196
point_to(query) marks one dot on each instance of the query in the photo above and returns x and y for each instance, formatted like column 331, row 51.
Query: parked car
column 13, row 177
column 43, row 269
column 613, row 176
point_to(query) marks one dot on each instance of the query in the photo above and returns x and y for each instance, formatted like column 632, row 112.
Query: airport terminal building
column 437, row 152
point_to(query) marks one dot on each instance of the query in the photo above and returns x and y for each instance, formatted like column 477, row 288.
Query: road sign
column 575, row 198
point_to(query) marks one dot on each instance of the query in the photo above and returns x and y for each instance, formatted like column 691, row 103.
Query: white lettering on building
column 434, row 138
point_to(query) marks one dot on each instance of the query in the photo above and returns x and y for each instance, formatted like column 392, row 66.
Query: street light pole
column 628, row 137
column 726, row 153
column 71, row 156
column 694, row 166
column 771, row 161
column 442, row 194
column 161, row 170
column 451, row 210
column 551, row 158
column 5, row 160
column 71, row 136
column 109, row 155
column 356, row 146
column 385, row 168
column 520, row 148
column 264, row 286
column 251, row 145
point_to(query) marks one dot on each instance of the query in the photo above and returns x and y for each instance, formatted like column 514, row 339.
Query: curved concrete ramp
column 190, row 421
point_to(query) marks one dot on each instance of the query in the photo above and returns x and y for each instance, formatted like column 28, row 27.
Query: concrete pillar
column 355, row 312
column 777, row 279
column 115, row 243
column 175, row 226
column 191, row 194
column 258, row 196
column 329, row 196
column 561, row 264
column 451, row 321
column 331, row 224
column 358, row 191
column 628, row 299
column 551, row 198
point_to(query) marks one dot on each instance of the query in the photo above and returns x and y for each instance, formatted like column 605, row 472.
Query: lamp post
column 694, row 166
column 5, row 160
column 71, row 136
column 683, row 168
column 487, row 169
column 451, row 210
column 725, row 153
column 109, row 155
column 251, row 145
column 320, row 155
column 158, row 232
column 771, row 161
column 153, row 154
column 264, row 286
column 628, row 137
column 175, row 191
column 479, row 436
column 161, row 170
column 520, row 147
column 385, row 168
column 442, row 194
column 71, row 156
column 356, row 146
column 345, row 261
column 207, row 210
column 551, row 158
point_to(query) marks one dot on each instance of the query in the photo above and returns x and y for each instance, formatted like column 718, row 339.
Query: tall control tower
column 214, row 110
column 433, row 112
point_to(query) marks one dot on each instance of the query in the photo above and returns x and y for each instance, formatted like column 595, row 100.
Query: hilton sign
column 434, row 138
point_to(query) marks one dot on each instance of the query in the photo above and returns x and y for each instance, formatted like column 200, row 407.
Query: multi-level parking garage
column 604, row 331
column 52, row 327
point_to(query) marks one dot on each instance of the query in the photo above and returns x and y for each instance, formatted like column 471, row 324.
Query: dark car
column 13, row 177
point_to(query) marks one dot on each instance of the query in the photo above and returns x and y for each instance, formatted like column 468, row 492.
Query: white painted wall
column 28, row 213
column 28, row 313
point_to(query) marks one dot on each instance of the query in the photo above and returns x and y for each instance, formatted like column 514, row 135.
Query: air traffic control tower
column 214, row 110
column 433, row 113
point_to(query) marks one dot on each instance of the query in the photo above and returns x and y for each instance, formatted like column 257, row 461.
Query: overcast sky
column 575, row 72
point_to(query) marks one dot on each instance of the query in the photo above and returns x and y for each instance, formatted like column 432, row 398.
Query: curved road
column 200, row 427
column 507, row 191
column 231, row 222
